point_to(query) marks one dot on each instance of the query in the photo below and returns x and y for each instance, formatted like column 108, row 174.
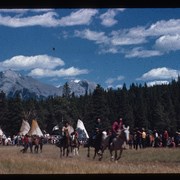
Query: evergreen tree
column 15, row 116
column 66, row 91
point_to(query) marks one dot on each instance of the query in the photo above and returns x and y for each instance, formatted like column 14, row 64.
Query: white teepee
column 1, row 132
column 82, row 133
column 25, row 127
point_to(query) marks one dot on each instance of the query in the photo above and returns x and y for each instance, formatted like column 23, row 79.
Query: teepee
column 82, row 133
column 25, row 127
column 35, row 130
column 1, row 132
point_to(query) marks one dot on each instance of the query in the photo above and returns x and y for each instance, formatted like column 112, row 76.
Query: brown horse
column 118, row 142
column 64, row 144
column 75, row 144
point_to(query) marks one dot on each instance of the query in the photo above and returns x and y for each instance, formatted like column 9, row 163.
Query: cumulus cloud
column 72, row 71
column 41, row 66
column 142, row 53
column 46, row 19
column 108, row 17
column 49, row 19
column 30, row 62
column 168, row 43
column 97, row 37
column 128, row 37
column 160, row 73
column 158, row 38
column 80, row 17
column 164, row 27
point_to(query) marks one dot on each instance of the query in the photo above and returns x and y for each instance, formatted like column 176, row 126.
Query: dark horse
column 96, row 144
column 64, row 144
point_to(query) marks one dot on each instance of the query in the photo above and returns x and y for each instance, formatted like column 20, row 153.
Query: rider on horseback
column 116, row 126
column 97, row 128
column 65, row 129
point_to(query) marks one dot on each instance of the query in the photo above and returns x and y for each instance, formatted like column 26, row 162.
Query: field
column 141, row 161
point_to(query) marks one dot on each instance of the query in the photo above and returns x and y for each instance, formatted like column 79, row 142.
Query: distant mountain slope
column 81, row 87
column 12, row 82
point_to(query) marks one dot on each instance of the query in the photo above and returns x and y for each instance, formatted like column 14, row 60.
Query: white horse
column 118, row 142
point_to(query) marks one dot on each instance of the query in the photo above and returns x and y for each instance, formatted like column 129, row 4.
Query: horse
column 75, row 144
column 64, row 143
column 96, row 144
column 118, row 142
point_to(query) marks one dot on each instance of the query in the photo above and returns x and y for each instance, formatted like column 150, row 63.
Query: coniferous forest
column 155, row 107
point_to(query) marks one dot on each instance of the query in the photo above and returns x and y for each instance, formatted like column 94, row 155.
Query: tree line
column 155, row 107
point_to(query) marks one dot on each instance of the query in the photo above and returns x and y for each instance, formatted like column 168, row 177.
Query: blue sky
column 106, row 46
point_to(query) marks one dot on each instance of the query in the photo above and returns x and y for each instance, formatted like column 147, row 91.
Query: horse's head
column 104, row 135
column 127, row 133
column 66, row 133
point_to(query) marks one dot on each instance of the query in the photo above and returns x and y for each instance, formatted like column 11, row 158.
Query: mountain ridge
column 13, row 83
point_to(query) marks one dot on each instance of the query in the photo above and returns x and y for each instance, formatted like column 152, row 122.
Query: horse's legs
column 31, row 146
column 120, row 153
column 77, row 151
column 115, row 158
column 95, row 152
column 88, row 154
column 41, row 146
column 111, row 153
column 61, row 151
column 74, row 151
column 67, row 151
column 36, row 147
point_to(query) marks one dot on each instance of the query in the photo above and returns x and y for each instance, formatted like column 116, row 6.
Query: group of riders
column 98, row 128
column 139, row 137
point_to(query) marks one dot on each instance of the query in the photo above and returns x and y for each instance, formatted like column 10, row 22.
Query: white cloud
column 108, row 17
column 57, row 73
column 30, row 62
column 153, row 83
column 128, row 37
column 142, row 53
column 98, row 37
column 160, row 73
column 168, row 43
column 164, row 28
column 80, row 17
column 110, row 81
column 164, row 34
column 48, row 19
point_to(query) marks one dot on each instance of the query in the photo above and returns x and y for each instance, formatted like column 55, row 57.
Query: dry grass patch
column 150, row 160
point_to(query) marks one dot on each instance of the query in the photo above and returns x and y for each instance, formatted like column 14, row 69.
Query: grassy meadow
column 141, row 161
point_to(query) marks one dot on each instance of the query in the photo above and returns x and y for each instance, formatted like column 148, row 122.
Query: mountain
column 12, row 83
column 80, row 87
